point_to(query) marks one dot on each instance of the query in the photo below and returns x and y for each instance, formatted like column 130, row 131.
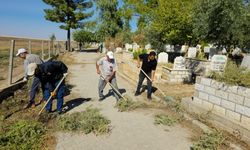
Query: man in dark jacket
column 50, row 73
column 149, row 64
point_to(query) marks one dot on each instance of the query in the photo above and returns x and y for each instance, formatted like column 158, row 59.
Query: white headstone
column 169, row 48
column 128, row 46
column 207, row 49
column 118, row 50
column 218, row 62
column 179, row 63
column 148, row 46
column 163, row 57
column 184, row 48
column 236, row 51
column 135, row 46
column 192, row 52
column 246, row 62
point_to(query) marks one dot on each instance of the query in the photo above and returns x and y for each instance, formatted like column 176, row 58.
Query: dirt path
column 130, row 130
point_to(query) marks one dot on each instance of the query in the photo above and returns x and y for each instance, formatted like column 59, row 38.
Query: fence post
column 49, row 49
column 12, row 47
column 58, row 47
column 30, row 47
column 42, row 51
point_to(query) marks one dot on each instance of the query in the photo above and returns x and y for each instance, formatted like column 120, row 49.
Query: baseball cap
column 31, row 69
column 20, row 51
column 110, row 54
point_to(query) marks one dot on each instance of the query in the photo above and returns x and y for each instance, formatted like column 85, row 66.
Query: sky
column 25, row 18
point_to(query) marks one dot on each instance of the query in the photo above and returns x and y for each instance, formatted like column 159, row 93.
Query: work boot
column 137, row 93
column 32, row 105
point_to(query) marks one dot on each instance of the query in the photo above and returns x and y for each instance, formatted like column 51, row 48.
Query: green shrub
column 201, row 56
column 130, row 49
column 22, row 135
column 232, row 75
column 165, row 120
column 139, row 52
column 127, row 105
column 88, row 121
column 209, row 141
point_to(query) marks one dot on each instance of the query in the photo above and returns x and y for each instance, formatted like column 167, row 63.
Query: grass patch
column 174, row 104
column 88, row 121
column 165, row 120
column 232, row 75
column 128, row 105
column 169, row 65
column 4, row 57
column 209, row 141
column 22, row 135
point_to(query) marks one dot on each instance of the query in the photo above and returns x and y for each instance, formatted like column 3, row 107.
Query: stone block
column 214, row 100
column 196, row 93
column 197, row 100
column 199, row 87
column 206, row 81
column 198, row 79
column 245, row 121
column 247, row 102
column 219, row 110
column 233, row 115
column 243, row 91
column 236, row 98
column 243, row 110
column 232, row 89
column 227, row 104
column 217, row 85
column 203, row 96
column 209, row 90
column 207, row 105
column 221, row 94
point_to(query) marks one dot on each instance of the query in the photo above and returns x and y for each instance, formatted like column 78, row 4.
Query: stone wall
column 177, row 76
column 229, row 103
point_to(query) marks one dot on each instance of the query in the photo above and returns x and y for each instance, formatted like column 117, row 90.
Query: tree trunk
column 68, row 40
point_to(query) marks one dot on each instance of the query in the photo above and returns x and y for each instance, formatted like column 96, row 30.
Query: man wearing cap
column 149, row 64
column 108, row 72
column 50, row 73
column 35, row 83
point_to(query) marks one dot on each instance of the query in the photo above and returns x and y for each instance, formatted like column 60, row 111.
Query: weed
column 88, row 121
column 232, row 75
column 22, row 135
column 165, row 120
column 139, row 52
column 128, row 105
column 209, row 141
column 174, row 104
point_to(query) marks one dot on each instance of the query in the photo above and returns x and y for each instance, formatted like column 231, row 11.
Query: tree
column 68, row 12
column 83, row 36
column 219, row 22
column 170, row 23
column 110, row 20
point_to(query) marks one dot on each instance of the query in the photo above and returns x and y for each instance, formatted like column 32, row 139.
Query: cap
column 31, row 69
column 110, row 54
column 20, row 51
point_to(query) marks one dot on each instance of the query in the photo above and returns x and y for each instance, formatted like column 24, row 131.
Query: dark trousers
column 34, row 88
column 59, row 96
column 149, row 83
column 102, row 84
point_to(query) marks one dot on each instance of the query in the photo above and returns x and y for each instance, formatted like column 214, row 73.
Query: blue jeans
column 149, row 83
column 34, row 88
column 59, row 96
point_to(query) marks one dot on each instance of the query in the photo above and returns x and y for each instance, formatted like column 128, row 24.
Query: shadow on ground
column 74, row 103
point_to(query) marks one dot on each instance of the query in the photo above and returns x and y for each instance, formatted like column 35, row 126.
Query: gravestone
column 213, row 51
column 169, row 48
column 148, row 47
column 184, row 48
column 192, row 51
column 163, row 57
column 236, row 51
column 177, row 48
column 218, row 62
column 128, row 46
column 207, row 49
column 179, row 63
column 246, row 62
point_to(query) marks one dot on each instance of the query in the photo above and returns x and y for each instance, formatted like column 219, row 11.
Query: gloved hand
column 24, row 79
column 65, row 74
column 53, row 94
